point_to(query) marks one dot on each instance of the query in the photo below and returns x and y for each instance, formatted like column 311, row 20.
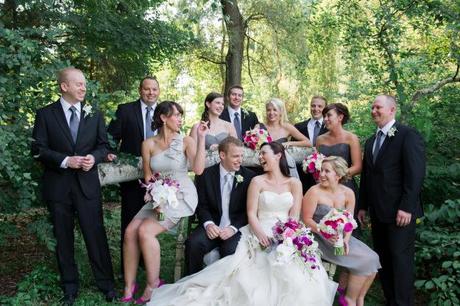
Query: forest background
column 347, row 50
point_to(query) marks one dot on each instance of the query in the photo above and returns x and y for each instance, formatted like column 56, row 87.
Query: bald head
column 383, row 110
column 72, row 84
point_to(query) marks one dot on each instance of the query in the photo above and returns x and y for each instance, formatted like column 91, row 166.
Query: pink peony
column 348, row 227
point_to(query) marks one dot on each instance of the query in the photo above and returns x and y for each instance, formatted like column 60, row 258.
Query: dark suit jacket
column 248, row 119
column 52, row 142
column 128, row 127
column 210, row 200
column 396, row 179
column 303, row 128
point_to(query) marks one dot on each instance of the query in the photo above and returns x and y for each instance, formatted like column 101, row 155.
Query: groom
column 69, row 139
column 391, row 181
column 221, row 210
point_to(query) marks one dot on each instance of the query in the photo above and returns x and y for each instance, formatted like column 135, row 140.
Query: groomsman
column 221, row 209
column 69, row 139
column 133, row 124
column 391, row 181
column 242, row 119
column 312, row 128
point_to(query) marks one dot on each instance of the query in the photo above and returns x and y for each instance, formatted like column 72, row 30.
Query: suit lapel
column 138, row 114
column 368, row 149
column 60, row 118
column 384, row 145
column 215, row 181
column 225, row 115
column 83, row 118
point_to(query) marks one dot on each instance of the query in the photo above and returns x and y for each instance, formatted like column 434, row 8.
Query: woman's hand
column 214, row 147
column 263, row 239
column 203, row 129
column 346, row 244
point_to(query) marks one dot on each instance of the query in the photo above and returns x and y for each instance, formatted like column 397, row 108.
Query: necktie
column 316, row 132
column 73, row 123
column 148, row 123
column 378, row 143
column 225, row 192
column 237, row 124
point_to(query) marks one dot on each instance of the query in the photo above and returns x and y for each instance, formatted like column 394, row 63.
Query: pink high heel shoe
column 130, row 298
column 141, row 300
column 342, row 301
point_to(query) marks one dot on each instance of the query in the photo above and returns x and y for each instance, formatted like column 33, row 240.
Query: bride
column 252, row 276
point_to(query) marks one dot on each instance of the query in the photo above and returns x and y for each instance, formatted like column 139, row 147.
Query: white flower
column 88, row 109
column 392, row 131
column 239, row 179
column 284, row 253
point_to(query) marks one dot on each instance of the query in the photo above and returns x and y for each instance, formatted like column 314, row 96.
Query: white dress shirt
column 311, row 127
column 232, row 111
column 384, row 130
column 67, row 112
column 144, row 113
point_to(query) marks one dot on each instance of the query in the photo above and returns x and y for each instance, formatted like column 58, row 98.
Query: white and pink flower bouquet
column 312, row 164
column 336, row 223
column 256, row 137
column 161, row 192
column 295, row 241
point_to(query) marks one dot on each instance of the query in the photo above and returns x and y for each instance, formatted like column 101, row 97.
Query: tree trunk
column 235, row 30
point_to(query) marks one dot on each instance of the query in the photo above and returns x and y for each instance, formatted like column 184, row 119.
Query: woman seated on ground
column 361, row 262
column 218, row 129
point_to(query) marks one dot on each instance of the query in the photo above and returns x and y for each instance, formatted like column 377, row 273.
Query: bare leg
column 355, row 284
column 364, row 289
column 148, row 232
column 343, row 279
column 131, row 254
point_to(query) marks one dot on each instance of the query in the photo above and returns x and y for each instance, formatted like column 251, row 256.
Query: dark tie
column 148, row 123
column 378, row 143
column 73, row 123
column 237, row 124
column 316, row 132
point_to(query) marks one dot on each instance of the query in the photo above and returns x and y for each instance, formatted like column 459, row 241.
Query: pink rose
column 348, row 227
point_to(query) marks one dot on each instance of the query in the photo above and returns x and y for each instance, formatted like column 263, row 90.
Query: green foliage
column 438, row 243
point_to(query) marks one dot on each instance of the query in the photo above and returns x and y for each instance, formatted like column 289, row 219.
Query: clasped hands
column 213, row 232
column 403, row 218
column 83, row 162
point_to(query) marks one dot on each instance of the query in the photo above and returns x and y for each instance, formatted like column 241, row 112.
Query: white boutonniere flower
column 244, row 112
column 392, row 131
column 88, row 109
column 239, row 179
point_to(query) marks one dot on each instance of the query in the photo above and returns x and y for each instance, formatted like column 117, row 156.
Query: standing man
column 312, row 128
column 69, row 139
column 391, row 181
column 242, row 119
column 133, row 124
column 221, row 209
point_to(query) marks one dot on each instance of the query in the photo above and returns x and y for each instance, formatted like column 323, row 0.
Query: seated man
column 221, row 209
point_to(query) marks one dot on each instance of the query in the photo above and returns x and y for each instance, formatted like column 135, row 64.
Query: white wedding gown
column 252, row 276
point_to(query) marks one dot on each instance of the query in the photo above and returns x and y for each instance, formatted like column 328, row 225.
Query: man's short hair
column 233, row 87
column 226, row 142
column 320, row 98
column 62, row 74
column 148, row 77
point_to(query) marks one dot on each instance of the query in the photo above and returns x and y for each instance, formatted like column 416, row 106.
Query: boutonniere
column 88, row 109
column 392, row 131
column 244, row 112
column 239, row 179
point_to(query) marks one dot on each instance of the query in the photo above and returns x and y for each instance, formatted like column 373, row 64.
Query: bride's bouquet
column 336, row 223
column 295, row 241
column 255, row 137
column 312, row 164
column 161, row 193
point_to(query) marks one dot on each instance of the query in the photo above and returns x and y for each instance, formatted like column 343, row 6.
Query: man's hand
column 226, row 233
column 87, row 162
column 403, row 218
column 110, row 157
column 75, row 162
column 362, row 216
column 212, row 231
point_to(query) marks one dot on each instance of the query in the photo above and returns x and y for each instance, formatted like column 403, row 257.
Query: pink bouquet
column 255, row 137
column 336, row 223
column 312, row 164
column 295, row 242
column 161, row 192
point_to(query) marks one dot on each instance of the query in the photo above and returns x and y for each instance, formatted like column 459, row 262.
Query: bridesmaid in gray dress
column 218, row 129
column 281, row 130
column 169, row 153
column 361, row 262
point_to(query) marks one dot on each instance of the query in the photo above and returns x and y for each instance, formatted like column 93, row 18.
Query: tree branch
column 248, row 58
column 217, row 62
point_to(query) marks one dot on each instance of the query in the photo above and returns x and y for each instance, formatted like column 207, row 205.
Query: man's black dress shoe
column 110, row 296
column 69, row 299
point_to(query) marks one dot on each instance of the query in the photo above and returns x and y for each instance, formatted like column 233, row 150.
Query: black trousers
column 132, row 200
column 90, row 219
column 198, row 244
column 396, row 248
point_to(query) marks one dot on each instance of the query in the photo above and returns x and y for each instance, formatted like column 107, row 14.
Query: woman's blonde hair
column 279, row 105
column 340, row 167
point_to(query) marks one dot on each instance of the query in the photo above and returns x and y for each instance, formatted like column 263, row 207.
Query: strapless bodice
column 273, row 207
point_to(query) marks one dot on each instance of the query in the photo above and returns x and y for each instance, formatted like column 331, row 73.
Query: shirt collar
column 66, row 105
column 223, row 172
column 320, row 120
column 144, row 105
column 387, row 127
column 232, row 111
